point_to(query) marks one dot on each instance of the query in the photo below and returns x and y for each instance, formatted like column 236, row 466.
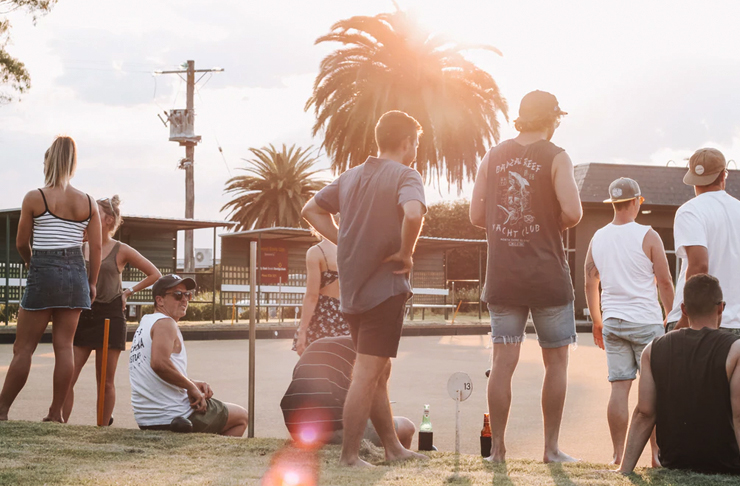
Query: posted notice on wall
column 273, row 263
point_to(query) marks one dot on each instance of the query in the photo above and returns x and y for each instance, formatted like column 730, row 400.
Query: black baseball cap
column 166, row 282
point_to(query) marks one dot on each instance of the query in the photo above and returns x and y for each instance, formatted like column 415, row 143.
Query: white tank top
column 50, row 232
column 155, row 402
column 628, row 287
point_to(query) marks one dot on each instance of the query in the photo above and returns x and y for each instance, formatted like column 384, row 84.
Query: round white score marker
column 460, row 386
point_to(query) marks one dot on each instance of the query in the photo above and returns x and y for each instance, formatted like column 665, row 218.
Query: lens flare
column 291, row 478
column 308, row 435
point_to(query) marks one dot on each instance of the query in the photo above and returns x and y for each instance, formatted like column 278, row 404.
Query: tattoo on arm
column 591, row 269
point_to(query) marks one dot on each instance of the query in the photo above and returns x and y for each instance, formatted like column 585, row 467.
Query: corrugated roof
column 661, row 186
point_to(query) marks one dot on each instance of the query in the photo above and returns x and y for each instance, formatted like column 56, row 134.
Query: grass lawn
column 36, row 454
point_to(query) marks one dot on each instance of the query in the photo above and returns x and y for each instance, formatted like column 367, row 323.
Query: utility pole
column 182, row 130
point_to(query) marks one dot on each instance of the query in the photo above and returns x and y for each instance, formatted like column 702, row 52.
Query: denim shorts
column 555, row 326
column 624, row 342
column 57, row 279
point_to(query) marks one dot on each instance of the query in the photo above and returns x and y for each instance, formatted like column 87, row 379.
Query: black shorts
column 377, row 332
column 91, row 326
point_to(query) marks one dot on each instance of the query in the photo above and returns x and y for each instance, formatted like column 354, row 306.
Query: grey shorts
column 624, row 342
column 213, row 421
column 555, row 326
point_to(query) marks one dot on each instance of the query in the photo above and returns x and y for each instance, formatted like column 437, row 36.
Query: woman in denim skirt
column 58, row 286
column 109, row 304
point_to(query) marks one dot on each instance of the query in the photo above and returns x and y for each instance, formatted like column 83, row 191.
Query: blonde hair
column 110, row 206
column 60, row 162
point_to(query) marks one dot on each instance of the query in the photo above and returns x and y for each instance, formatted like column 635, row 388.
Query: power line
column 213, row 129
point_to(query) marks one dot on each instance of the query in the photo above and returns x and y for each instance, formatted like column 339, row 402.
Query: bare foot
column 617, row 461
column 53, row 419
column 558, row 456
column 498, row 455
column 656, row 461
column 496, row 458
column 357, row 462
column 404, row 455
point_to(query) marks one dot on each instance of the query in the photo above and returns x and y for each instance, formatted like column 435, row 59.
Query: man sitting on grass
column 312, row 405
column 690, row 389
column 160, row 388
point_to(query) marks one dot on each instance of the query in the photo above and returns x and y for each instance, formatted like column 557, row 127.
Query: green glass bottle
column 426, row 439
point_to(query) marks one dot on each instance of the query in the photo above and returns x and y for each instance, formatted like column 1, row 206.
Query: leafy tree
column 389, row 62
column 451, row 220
column 13, row 73
column 279, row 184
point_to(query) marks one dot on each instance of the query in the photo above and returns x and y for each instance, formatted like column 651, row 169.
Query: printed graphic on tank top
column 526, row 258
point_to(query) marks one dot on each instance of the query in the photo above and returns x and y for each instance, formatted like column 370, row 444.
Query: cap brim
column 691, row 179
column 189, row 283
column 607, row 201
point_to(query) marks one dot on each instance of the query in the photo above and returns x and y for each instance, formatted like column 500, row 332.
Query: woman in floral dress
column 321, row 316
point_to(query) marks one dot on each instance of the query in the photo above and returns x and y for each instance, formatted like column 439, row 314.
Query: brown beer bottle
column 485, row 437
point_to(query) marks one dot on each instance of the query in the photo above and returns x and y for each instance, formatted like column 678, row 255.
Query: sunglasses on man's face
column 178, row 295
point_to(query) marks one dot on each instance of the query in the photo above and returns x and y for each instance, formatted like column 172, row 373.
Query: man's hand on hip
column 405, row 260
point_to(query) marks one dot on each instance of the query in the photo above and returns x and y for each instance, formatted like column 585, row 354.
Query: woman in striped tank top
column 58, row 287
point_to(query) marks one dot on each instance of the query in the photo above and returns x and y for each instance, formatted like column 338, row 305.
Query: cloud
column 674, row 103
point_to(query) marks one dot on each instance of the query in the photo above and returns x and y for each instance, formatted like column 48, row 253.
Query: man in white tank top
column 626, row 258
column 160, row 388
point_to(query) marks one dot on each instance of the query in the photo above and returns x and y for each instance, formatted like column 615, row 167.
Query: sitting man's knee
column 405, row 430
column 238, row 413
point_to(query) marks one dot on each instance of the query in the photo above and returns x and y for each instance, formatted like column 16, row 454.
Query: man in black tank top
column 690, row 390
column 525, row 195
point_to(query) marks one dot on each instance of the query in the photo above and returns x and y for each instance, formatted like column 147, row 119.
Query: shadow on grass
column 456, row 478
column 559, row 476
column 659, row 476
column 636, row 479
column 501, row 475
column 36, row 453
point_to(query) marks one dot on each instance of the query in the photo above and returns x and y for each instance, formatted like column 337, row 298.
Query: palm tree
column 389, row 63
column 278, row 185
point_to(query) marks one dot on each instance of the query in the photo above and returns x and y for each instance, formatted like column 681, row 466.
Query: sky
column 644, row 82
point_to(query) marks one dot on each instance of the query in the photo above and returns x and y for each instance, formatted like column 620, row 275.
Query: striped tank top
column 50, row 232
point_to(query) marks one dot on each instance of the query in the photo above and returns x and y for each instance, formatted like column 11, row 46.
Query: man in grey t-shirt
column 382, row 206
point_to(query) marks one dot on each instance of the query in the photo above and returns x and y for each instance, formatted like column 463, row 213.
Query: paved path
column 420, row 376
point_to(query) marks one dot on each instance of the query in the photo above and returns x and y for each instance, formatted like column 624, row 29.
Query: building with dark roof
column 663, row 190
column 154, row 237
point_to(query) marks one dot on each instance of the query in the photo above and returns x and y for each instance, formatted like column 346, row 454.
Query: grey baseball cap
column 623, row 189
